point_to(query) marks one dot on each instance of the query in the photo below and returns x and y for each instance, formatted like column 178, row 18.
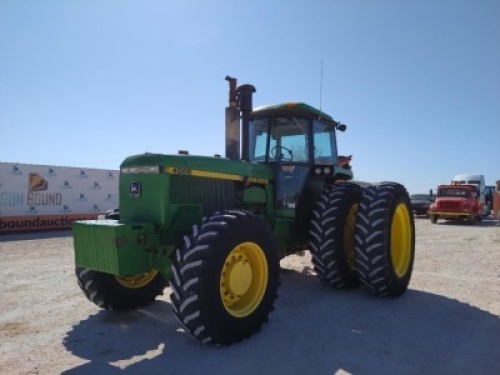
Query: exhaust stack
column 245, row 93
column 240, row 100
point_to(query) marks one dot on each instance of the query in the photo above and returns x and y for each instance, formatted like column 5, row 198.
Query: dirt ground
column 446, row 323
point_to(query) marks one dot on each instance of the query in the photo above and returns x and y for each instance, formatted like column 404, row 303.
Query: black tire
column 385, row 239
column 434, row 219
column 225, row 278
column 332, row 235
column 112, row 292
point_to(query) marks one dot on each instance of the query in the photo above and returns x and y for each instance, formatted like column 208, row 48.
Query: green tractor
column 214, row 229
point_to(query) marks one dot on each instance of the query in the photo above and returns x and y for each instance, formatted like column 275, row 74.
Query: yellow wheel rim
column 349, row 228
column 401, row 234
column 243, row 280
column 137, row 281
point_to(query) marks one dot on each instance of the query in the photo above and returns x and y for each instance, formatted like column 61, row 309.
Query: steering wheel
column 273, row 151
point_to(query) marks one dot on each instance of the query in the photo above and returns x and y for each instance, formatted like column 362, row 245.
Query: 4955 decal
column 179, row 171
column 257, row 180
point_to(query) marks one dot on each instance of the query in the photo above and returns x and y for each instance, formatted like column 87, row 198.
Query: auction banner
column 42, row 197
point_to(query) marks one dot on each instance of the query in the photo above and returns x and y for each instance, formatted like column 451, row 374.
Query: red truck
column 456, row 202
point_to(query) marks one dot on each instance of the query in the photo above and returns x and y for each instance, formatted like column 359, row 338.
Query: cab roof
column 294, row 108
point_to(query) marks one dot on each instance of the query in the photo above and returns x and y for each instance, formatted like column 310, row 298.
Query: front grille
column 213, row 194
column 447, row 205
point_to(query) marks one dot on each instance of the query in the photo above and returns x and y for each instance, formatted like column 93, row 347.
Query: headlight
column 327, row 170
column 141, row 170
column 317, row 171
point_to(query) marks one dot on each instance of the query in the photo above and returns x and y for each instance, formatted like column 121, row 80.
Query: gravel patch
column 447, row 322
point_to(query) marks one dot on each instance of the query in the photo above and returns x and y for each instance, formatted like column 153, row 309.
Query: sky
column 87, row 83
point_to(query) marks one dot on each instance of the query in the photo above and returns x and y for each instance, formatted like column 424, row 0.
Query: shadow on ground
column 312, row 330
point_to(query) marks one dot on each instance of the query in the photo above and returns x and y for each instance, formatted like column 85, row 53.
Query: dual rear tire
column 364, row 235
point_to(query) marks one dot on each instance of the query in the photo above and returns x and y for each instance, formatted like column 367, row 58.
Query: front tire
column 332, row 235
column 385, row 239
column 112, row 292
column 225, row 278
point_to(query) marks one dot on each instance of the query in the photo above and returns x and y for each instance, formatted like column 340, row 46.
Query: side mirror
column 341, row 127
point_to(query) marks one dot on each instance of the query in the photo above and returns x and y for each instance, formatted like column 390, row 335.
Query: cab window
column 289, row 141
column 279, row 139
column 324, row 143
column 258, row 139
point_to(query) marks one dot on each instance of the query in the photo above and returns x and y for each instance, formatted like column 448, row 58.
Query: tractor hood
column 199, row 166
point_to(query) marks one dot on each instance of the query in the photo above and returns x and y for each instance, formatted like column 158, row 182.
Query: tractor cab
column 299, row 142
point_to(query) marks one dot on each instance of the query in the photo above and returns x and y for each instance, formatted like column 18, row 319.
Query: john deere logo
column 135, row 189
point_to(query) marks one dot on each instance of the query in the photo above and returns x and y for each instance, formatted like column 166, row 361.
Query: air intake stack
column 240, row 100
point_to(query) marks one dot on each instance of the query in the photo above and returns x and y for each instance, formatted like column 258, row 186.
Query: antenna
column 320, row 88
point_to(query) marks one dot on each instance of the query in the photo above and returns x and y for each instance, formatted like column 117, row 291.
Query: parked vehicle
column 216, row 228
column 420, row 203
column 456, row 202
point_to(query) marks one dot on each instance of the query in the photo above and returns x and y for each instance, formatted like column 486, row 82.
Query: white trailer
column 47, row 197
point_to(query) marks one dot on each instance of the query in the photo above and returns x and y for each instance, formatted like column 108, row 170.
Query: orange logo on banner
column 37, row 182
